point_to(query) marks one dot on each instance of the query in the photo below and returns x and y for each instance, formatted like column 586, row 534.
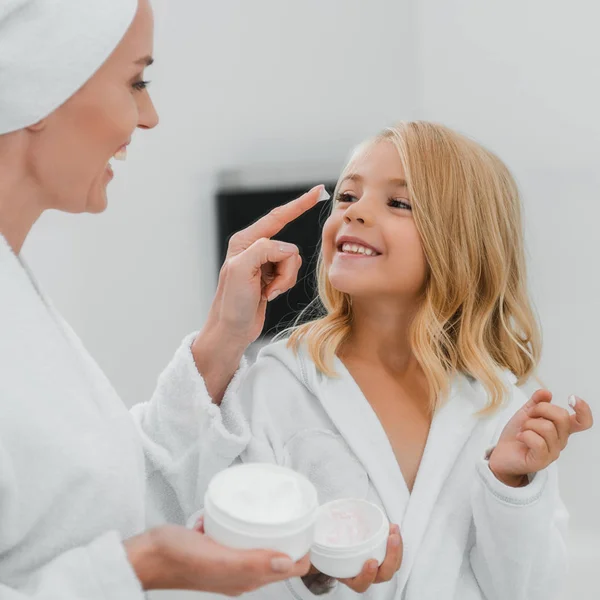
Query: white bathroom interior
column 284, row 90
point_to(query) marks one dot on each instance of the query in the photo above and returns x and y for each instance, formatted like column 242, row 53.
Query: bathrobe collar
column 451, row 427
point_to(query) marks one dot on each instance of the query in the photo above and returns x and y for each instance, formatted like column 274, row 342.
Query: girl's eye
column 394, row 203
column 141, row 85
column 345, row 197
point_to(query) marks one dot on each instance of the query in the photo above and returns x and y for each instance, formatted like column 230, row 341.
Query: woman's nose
column 148, row 115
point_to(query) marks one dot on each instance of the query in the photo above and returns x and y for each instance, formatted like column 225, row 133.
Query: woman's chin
column 97, row 202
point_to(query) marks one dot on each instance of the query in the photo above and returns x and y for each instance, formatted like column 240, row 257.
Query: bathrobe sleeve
column 186, row 437
column 520, row 535
column 98, row 571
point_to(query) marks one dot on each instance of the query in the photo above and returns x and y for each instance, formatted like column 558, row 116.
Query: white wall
column 522, row 77
column 266, row 81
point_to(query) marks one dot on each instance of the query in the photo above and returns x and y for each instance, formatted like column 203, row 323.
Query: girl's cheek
column 328, row 237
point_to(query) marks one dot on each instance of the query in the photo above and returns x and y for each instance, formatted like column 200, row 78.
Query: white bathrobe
column 76, row 466
column 466, row 535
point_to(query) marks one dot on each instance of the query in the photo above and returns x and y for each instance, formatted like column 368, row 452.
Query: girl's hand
column 371, row 573
column 535, row 437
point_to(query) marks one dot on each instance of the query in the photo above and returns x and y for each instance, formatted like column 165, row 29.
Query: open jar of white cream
column 261, row 506
column 349, row 533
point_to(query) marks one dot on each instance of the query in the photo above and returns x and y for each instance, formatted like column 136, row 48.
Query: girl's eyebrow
column 398, row 182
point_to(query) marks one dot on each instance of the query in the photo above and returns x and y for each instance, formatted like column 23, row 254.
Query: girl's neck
column 380, row 336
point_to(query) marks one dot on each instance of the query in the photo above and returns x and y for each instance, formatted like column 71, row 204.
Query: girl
column 405, row 391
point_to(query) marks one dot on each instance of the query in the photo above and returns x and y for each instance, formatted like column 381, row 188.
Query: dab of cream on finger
column 324, row 195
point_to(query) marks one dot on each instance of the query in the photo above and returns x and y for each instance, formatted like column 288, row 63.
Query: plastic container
column 348, row 533
column 241, row 509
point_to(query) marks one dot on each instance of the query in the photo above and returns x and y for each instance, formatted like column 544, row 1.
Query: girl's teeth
column 356, row 249
column 121, row 154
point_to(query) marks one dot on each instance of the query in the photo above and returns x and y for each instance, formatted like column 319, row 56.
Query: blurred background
column 266, row 94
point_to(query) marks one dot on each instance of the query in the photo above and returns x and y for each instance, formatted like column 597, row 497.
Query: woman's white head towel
column 50, row 48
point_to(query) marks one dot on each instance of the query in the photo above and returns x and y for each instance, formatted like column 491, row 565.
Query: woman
column 75, row 464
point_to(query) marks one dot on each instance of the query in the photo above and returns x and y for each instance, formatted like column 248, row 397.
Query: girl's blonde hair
column 475, row 316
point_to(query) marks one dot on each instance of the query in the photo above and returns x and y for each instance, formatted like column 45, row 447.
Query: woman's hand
column 535, row 437
column 172, row 557
column 256, row 270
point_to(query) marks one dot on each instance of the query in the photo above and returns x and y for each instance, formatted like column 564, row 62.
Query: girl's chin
column 348, row 285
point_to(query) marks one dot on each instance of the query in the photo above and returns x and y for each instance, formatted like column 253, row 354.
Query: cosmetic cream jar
column 348, row 533
column 262, row 506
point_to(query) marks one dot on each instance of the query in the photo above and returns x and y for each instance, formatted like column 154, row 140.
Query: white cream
column 342, row 526
column 324, row 195
column 348, row 533
column 260, row 496
column 261, row 506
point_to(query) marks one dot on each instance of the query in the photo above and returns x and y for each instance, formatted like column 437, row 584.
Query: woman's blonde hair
column 475, row 316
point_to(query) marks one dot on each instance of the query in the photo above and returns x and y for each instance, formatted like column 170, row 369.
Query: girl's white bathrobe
column 76, row 467
column 466, row 535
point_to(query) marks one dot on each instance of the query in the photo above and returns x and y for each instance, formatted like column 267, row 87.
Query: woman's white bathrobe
column 76, row 466
column 466, row 535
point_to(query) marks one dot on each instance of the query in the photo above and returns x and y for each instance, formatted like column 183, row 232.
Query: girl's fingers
column 362, row 582
column 559, row 417
column 547, row 430
column 393, row 556
column 538, row 449
column 543, row 395
column 371, row 573
column 583, row 418
column 400, row 543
